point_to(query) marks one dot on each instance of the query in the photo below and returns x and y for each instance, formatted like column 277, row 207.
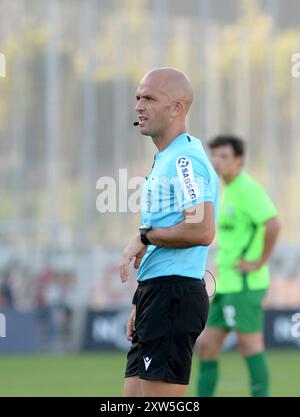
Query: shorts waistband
column 170, row 278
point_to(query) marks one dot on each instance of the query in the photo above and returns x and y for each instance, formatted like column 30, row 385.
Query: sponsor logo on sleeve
column 187, row 179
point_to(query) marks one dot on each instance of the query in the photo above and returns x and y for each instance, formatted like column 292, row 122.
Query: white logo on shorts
column 147, row 362
column 229, row 315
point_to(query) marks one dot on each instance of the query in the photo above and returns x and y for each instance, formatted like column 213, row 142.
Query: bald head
column 164, row 97
column 173, row 83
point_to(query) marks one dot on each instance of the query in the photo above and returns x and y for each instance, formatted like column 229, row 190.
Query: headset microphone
column 136, row 123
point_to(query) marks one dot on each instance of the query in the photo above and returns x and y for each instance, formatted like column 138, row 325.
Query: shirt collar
column 171, row 144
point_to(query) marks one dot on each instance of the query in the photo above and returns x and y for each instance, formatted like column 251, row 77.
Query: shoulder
column 192, row 152
column 249, row 183
column 190, row 158
column 253, row 193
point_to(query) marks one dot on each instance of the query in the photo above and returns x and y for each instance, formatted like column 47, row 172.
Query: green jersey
column 245, row 207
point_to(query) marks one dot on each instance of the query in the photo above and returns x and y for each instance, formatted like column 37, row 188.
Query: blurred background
column 66, row 112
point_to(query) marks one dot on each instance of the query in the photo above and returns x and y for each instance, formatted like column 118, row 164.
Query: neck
column 230, row 177
column 163, row 140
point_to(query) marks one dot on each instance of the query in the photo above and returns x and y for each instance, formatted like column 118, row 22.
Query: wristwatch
column 143, row 230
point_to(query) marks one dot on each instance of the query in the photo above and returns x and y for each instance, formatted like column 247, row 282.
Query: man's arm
column 197, row 229
column 271, row 235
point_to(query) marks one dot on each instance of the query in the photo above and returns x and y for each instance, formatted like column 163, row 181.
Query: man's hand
column 136, row 249
column 245, row 266
column 271, row 234
column 131, row 324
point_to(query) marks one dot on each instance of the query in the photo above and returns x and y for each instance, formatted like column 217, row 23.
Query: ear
column 177, row 109
column 241, row 161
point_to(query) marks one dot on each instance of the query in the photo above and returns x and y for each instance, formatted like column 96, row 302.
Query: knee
column 244, row 348
column 207, row 350
column 250, row 346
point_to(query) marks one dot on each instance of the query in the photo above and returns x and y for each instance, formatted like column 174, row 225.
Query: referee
column 246, row 234
column 178, row 210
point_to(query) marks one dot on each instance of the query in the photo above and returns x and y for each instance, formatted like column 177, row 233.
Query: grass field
column 101, row 375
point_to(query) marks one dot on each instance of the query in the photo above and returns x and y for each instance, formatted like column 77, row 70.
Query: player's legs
column 209, row 344
column 171, row 313
column 132, row 387
column 161, row 389
column 208, row 348
column 250, row 343
column 136, row 387
column 250, row 323
column 251, row 347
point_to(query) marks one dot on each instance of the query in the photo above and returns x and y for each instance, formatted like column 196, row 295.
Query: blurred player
column 247, row 231
column 170, row 306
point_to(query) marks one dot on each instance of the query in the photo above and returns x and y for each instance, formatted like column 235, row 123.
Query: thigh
column 167, row 326
column 249, row 311
column 161, row 389
column 210, row 342
column 132, row 365
column 132, row 387
column 152, row 326
column 190, row 311
column 240, row 311
column 217, row 317
column 250, row 343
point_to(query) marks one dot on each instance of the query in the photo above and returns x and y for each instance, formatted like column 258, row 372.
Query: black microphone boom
column 136, row 123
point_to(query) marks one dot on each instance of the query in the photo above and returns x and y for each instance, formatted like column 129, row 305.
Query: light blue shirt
column 181, row 177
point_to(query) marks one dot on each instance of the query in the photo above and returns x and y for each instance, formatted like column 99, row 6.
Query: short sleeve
column 258, row 205
column 193, row 182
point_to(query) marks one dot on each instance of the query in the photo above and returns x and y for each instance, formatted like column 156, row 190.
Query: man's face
column 153, row 107
column 225, row 162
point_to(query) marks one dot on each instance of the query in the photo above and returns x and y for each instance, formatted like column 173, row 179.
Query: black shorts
column 171, row 312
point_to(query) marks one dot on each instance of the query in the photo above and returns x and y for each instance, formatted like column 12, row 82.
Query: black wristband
column 143, row 236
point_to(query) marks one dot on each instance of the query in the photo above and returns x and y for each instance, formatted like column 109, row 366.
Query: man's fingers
column 129, row 335
column 130, row 331
column 137, row 262
column 124, row 268
column 239, row 266
column 122, row 272
column 133, row 250
column 133, row 323
column 139, row 257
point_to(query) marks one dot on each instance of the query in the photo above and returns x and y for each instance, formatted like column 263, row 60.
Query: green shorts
column 241, row 311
